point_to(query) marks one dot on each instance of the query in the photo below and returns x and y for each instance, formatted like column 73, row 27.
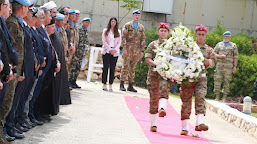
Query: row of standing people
column 225, row 54
column 41, row 53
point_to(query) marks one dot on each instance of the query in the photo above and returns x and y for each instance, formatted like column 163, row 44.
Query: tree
column 129, row 5
column 219, row 29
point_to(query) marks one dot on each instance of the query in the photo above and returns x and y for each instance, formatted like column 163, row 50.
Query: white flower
column 180, row 44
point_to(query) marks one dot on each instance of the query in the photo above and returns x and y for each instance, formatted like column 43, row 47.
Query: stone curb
column 233, row 116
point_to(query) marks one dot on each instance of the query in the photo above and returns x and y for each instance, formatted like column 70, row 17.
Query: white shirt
column 112, row 39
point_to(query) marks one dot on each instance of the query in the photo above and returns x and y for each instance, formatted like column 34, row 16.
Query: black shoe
column 19, row 127
column 122, row 88
column 26, row 126
column 13, row 133
column 42, row 119
column 131, row 88
column 76, row 85
column 9, row 138
column 47, row 117
column 37, row 122
column 18, row 131
column 28, row 122
column 73, row 86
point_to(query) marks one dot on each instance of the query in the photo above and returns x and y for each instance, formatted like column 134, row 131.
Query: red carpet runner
column 168, row 128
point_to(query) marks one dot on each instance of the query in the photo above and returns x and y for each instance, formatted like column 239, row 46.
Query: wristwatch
column 142, row 51
column 235, row 65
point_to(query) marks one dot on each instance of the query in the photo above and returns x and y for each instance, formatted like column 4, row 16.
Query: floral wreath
column 179, row 58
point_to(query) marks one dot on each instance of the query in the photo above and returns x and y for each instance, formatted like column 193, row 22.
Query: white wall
column 235, row 15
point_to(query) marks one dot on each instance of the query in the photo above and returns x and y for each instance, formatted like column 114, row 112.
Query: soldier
column 133, row 42
column 80, row 52
column 10, row 60
column 76, row 29
column 199, row 86
column 15, row 26
column 65, row 11
column 71, row 27
column 225, row 65
column 158, row 88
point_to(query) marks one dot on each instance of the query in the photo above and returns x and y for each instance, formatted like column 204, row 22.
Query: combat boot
column 162, row 113
column 224, row 98
column 153, row 129
column 2, row 139
column 217, row 97
column 131, row 88
column 184, row 132
column 201, row 127
column 122, row 88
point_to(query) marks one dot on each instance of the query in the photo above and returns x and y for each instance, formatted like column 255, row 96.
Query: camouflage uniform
column 156, row 85
column 72, row 40
column 17, row 36
column 64, row 37
column 76, row 37
column 199, row 87
column 133, row 40
column 224, row 67
column 77, row 58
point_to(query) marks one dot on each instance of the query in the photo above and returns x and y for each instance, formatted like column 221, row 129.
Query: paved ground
column 99, row 117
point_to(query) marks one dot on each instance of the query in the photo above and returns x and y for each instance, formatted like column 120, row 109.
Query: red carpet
column 168, row 128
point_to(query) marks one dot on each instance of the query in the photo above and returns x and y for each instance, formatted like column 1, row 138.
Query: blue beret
column 136, row 11
column 227, row 33
column 60, row 16
column 86, row 19
column 23, row 2
column 32, row 2
column 72, row 11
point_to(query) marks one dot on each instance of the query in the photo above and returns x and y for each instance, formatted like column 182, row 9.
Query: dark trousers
column 19, row 115
column 35, row 96
column 109, row 62
column 37, row 91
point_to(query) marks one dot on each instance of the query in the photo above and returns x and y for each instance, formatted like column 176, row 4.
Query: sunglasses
column 65, row 13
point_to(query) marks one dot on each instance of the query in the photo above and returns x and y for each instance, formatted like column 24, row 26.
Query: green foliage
column 130, row 4
column 242, row 83
column 219, row 29
column 254, row 39
column 142, row 66
column 212, row 39
column 244, row 44
column 151, row 35
column 141, row 73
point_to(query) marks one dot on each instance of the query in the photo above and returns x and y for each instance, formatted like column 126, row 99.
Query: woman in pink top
column 111, row 38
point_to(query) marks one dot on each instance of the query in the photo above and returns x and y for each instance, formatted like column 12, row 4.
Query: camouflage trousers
column 157, row 88
column 128, row 69
column 75, row 64
column 8, row 99
column 69, row 61
column 222, row 74
column 187, row 91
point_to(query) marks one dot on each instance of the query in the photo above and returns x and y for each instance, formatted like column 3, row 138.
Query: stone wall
column 233, row 116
